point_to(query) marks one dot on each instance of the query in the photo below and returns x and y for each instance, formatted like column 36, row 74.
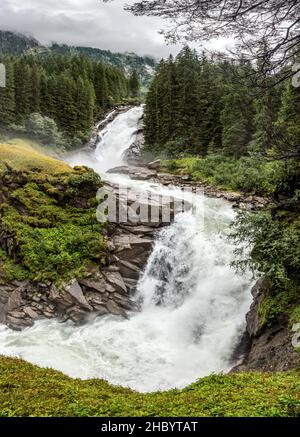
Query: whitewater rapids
column 193, row 302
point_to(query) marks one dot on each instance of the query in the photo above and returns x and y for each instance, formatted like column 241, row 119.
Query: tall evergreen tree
column 134, row 84
column 7, row 95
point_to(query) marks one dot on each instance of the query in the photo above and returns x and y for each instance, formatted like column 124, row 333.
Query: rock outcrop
column 133, row 155
column 266, row 348
column 100, row 291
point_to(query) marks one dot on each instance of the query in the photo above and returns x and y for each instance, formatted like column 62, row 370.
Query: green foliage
column 68, row 91
column 248, row 174
column 194, row 104
column 51, row 223
column 134, row 84
column 274, row 241
column 27, row 390
column 45, row 130
column 12, row 43
column 275, row 245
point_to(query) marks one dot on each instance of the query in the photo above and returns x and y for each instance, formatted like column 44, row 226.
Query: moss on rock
column 48, row 227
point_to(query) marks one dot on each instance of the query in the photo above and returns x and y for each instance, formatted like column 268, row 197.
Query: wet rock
column 16, row 314
column 116, row 280
column 31, row 313
column 129, row 270
column 77, row 315
column 101, row 310
column 115, row 309
column 138, row 230
column 75, row 291
column 94, row 284
column 123, row 169
column 48, row 314
column 154, row 165
column 270, row 347
column 130, row 283
column 143, row 175
column 18, row 324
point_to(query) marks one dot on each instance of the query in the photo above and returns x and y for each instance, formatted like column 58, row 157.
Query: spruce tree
column 134, row 84
column 7, row 95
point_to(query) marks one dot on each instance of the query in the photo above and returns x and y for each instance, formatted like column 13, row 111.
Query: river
column 193, row 302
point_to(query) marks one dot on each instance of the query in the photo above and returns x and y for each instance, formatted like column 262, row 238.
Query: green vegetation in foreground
column 274, row 233
column 27, row 390
column 48, row 215
column 252, row 175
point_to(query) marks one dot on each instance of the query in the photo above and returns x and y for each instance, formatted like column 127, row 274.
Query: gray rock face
column 116, row 280
column 76, row 293
column 269, row 348
column 129, row 270
column 133, row 155
column 154, row 165
column 102, row 291
column 98, row 284
column 122, row 169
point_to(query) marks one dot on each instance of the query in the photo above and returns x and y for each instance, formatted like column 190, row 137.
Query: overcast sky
column 87, row 23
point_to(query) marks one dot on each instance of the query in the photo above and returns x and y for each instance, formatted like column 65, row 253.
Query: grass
column 48, row 210
column 22, row 155
column 248, row 174
column 27, row 390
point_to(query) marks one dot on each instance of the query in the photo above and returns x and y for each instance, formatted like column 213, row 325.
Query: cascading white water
column 113, row 141
column 193, row 302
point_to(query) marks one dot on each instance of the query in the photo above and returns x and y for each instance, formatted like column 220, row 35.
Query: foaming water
column 113, row 141
column 193, row 303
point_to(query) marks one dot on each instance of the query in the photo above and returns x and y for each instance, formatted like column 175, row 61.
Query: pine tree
column 35, row 89
column 85, row 105
column 288, row 121
column 22, row 90
column 236, row 118
column 134, row 84
column 7, row 95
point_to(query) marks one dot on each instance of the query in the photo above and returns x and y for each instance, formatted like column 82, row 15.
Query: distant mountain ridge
column 12, row 43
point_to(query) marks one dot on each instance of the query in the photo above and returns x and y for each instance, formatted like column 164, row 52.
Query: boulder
column 31, row 313
column 138, row 230
column 143, row 175
column 129, row 270
column 116, row 280
column 154, row 165
column 115, row 309
column 122, row 169
column 133, row 248
column 18, row 324
column 75, row 291
column 98, row 284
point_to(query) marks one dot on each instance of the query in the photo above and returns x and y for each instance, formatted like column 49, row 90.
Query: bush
column 44, row 129
column 274, row 242
column 248, row 174
column 27, row 390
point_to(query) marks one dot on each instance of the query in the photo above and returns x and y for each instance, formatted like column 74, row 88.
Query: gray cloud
column 88, row 23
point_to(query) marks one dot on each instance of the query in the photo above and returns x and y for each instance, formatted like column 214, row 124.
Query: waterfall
column 114, row 139
column 193, row 303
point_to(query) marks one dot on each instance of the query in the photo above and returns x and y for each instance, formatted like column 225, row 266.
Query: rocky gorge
column 107, row 283
column 99, row 290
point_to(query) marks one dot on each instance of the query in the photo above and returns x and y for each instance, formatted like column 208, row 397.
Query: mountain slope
column 12, row 43
column 16, row 44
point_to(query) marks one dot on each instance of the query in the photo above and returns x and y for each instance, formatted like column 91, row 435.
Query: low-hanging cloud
column 87, row 23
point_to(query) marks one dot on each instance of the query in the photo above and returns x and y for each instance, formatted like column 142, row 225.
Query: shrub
column 45, row 130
